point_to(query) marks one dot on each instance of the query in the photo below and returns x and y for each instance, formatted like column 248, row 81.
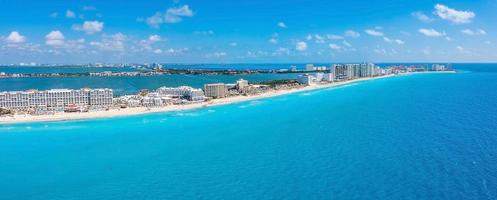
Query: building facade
column 216, row 90
column 56, row 100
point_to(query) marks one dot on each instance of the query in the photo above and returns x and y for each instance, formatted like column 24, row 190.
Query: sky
column 247, row 31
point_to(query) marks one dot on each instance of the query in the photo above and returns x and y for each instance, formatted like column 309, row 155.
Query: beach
column 117, row 112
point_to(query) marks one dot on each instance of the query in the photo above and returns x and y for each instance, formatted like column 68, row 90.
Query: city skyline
column 247, row 32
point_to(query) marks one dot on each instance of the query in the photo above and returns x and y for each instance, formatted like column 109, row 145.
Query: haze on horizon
column 181, row 31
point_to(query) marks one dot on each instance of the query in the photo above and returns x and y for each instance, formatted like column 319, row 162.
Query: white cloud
column 54, row 38
column 233, row 44
column 334, row 37
column 422, row 16
column 301, row 46
column 335, row 47
column 216, row 55
column 89, row 27
column 399, row 42
column 172, row 15
column 281, row 25
column 346, row 43
column 374, row 32
column 352, row 34
column 157, row 51
column 273, row 39
column 474, row 32
column 154, row 38
column 319, row 39
column 15, row 38
column 54, row 15
column 309, row 37
column 455, row 16
column 209, row 32
column 460, row 48
column 70, row 14
column 281, row 51
column 111, row 43
column 431, row 32
column 155, row 20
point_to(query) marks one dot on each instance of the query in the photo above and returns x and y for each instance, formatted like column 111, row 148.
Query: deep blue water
column 426, row 136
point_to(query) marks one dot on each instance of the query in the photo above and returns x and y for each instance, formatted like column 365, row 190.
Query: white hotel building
column 56, row 99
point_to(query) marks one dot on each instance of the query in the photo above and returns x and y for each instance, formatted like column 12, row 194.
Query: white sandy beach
column 143, row 110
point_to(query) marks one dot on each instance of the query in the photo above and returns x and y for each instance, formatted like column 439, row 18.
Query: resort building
column 438, row 67
column 353, row 71
column 184, row 92
column 56, row 100
column 305, row 79
column 216, row 90
column 242, row 85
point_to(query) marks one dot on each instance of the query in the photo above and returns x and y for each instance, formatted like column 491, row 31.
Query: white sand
column 142, row 110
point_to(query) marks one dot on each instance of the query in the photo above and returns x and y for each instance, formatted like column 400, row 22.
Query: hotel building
column 186, row 92
column 216, row 90
column 56, row 100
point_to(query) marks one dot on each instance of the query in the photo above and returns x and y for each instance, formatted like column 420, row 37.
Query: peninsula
column 59, row 105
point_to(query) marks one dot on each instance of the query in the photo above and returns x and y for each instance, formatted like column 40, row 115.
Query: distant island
column 86, row 103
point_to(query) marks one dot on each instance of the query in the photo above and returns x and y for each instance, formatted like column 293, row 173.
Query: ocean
column 423, row 136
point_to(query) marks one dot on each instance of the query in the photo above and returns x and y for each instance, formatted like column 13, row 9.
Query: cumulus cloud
column 373, row 32
column 172, row 15
column 54, row 38
column 352, row 34
column 281, row 25
column 233, row 44
column 15, row 38
column 453, row 15
column 431, row 32
column 474, row 32
column 421, row 16
column 111, row 43
column 301, row 46
column 89, row 27
column 154, row 38
column 70, row 14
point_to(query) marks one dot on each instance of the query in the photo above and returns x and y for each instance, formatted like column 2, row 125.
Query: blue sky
column 247, row 31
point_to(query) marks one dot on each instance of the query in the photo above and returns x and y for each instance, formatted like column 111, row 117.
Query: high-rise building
column 216, row 90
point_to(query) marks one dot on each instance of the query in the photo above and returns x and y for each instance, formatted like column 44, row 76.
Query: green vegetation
column 274, row 83
column 4, row 111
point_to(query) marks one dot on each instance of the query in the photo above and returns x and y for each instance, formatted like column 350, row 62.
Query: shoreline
column 16, row 119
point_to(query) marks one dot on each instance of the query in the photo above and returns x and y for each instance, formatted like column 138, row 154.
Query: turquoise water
column 426, row 136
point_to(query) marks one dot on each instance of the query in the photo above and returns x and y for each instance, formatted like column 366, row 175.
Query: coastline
column 172, row 108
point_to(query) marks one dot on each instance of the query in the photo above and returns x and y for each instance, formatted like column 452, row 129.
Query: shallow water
column 425, row 136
